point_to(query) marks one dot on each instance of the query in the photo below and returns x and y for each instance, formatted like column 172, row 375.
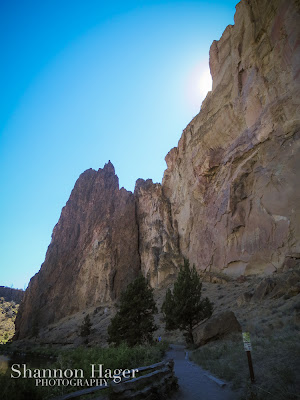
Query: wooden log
column 161, row 364
column 82, row 392
column 141, row 380
column 162, row 372
column 158, row 384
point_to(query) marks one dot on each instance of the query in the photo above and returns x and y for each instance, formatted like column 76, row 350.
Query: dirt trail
column 192, row 379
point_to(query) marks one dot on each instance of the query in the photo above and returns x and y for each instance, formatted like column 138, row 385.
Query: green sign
column 246, row 340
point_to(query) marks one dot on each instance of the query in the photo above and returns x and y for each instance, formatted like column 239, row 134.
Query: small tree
column 85, row 328
column 184, row 308
column 134, row 321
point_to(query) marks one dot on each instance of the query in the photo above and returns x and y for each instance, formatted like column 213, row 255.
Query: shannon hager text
column 73, row 377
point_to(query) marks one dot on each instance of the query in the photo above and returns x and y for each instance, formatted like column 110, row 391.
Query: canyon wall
column 229, row 200
column 158, row 238
column 93, row 254
column 233, row 179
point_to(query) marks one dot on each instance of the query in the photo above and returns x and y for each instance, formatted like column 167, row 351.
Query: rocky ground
column 269, row 309
column 261, row 305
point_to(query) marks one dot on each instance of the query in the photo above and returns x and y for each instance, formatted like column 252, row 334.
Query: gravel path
column 192, row 380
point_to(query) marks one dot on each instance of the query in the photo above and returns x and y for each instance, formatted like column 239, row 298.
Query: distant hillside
column 9, row 305
column 10, row 294
column 8, row 313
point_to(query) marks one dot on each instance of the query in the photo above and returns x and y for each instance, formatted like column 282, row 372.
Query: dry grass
column 274, row 326
column 275, row 360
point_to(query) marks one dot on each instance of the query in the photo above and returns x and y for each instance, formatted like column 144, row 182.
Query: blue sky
column 83, row 82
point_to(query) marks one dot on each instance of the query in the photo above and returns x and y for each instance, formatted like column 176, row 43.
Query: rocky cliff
column 93, row 254
column 158, row 236
column 229, row 200
column 233, row 179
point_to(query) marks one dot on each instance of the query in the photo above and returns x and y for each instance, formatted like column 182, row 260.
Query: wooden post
column 248, row 348
column 250, row 366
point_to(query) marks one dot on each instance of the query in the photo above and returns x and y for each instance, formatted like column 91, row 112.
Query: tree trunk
column 190, row 334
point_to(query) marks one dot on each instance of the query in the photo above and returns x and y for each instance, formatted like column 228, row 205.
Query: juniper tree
column 134, row 320
column 183, row 308
column 85, row 328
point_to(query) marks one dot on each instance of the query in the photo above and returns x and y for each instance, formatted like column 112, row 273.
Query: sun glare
column 204, row 82
column 199, row 82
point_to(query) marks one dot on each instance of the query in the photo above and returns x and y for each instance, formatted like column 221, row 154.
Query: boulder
column 244, row 298
column 291, row 261
column 287, row 284
column 266, row 286
column 216, row 327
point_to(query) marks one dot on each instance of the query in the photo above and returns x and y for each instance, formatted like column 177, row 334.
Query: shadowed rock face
column 93, row 254
column 232, row 180
column 230, row 197
column 158, row 238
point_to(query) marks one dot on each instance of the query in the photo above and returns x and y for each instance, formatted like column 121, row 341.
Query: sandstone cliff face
column 158, row 238
column 93, row 254
column 233, row 179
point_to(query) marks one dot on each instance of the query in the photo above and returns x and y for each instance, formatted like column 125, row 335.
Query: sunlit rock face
column 158, row 237
column 93, row 254
column 233, row 180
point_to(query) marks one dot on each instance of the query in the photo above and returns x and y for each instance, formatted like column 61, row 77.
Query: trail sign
column 246, row 340
column 248, row 348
